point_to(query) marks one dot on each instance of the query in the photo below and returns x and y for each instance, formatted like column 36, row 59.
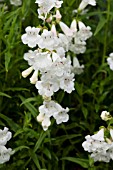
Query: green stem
column 106, row 31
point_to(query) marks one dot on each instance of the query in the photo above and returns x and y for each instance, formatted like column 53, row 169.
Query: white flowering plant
column 56, row 72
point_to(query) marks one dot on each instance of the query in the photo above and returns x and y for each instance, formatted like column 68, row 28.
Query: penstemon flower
column 45, row 7
column 50, row 65
column 100, row 145
column 5, row 153
column 84, row 3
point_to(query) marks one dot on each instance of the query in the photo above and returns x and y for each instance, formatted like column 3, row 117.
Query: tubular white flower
column 105, row 115
column 26, row 72
column 42, row 61
column 67, row 31
column 5, row 154
column 34, row 77
column 84, row 32
column 31, row 37
column 47, row 40
column 61, row 116
column 58, row 15
column 84, row 3
column 77, row 68
column 40, row 117
column 73, row 26
column 46, row 123
column 45, row 7
column 5, row 136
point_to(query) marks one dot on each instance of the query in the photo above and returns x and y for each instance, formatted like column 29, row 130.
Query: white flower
column 40, row 117
column 101, row 150
column 73, row 26
column 34, row 77
column 47, row 88
column 100, row 156
column 46, row 123
column 77, row 68
column 31, row 37
column 58, row 15
column 67, row 83
column 99, row 136
column 78, row 46
column 84, row 3
column 42, row 61
column 30, row 56
column 48, row 40
column 45, row 7
column 105, row 116
column 84, row 32
column 110, row 61
column 67, row 31
column 61, row 116
column 16, row 2
column 5, row 136
column 48, row 108
column 5, row 154
column 64, row 41
column 26, row 72
column 60, row 65
column 95, row 143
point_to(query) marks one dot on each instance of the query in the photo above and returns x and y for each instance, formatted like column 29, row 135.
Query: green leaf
column 83, row 162
column 40, row 140
column 79, row 88
column 35, row 159
column 10, row 122
column 7, row 61
column 47, row 153
column 30, row 107
column 28, row 100
column 66, row 137
column 16, row 89
column 20, row 148
column 4, row 94
column 85, row 112
column 100, row 25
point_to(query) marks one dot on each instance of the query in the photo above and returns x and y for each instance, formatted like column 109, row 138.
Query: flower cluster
column 5, row 153
column 49, row 109
column 51, row 65
column 77, row 37
column 45, row 7
column 100, row 147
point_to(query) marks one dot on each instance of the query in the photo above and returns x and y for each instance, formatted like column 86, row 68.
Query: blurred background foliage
column 60, row 147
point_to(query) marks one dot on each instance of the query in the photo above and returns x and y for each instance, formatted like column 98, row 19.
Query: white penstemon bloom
column 77, row 68
column 97, row 145
column 31, row 37
column 84, row 3
column 78, row 36
column 105, row 116
column 50, row 67
column 5, row 153
column 52, row 109
column 45, row 7
column 101, row 148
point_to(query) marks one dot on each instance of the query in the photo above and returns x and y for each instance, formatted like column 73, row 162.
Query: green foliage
column 60, row 147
